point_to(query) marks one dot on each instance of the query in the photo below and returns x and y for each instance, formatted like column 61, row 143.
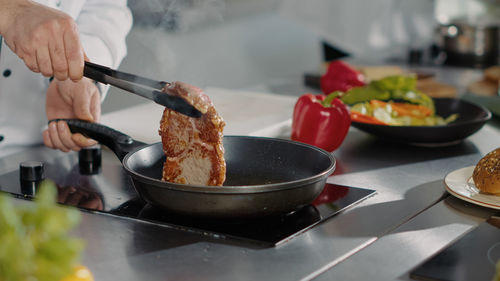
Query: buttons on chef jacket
column 7, row 73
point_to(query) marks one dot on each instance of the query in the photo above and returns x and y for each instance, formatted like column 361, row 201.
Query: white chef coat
column 103, row 26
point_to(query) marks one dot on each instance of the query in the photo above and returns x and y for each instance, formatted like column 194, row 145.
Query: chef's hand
column 45, row 39
column 68, row 99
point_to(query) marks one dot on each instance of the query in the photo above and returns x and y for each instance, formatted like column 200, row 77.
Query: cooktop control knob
column 89, row 160
column 31, row 171
column 31, row 174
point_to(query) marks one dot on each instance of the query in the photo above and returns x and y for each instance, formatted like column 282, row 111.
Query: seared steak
column 193, row 146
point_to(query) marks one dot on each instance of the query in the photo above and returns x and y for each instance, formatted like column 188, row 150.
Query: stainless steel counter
column 436, row 226
column 409, row 219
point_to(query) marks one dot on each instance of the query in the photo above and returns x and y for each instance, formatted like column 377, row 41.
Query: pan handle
column 118, row 142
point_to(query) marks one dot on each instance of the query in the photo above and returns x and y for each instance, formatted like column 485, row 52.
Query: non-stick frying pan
column 265, row 176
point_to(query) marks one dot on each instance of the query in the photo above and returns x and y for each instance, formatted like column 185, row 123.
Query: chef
column 45, row 43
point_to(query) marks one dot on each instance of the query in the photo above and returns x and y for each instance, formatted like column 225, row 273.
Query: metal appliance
column 94, row 181
column 473, row 257
column 469, row 44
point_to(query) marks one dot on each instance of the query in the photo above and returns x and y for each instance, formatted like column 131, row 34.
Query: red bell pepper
column 340, row 76
column 320, row 120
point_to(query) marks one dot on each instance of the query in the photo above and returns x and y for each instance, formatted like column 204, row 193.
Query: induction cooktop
column 94, row 181
column 472, row 257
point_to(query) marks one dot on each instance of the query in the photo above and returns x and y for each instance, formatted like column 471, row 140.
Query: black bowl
column 471, row 117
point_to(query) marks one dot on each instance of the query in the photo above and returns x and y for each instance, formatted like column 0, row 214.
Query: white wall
column 239, row 51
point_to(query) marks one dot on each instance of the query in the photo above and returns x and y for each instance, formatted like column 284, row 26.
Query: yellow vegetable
column 497, row 274
column 80, row 273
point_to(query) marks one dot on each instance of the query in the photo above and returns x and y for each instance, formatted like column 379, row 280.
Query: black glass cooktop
column 102, row 186
column 472, row 257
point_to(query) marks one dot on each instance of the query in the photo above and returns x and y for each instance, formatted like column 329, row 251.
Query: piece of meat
column 193, row 146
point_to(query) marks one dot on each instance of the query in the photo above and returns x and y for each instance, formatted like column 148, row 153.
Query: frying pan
column 264, row 177
column 471, row 118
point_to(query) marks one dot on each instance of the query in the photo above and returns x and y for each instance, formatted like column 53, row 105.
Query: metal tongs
column 141, row 86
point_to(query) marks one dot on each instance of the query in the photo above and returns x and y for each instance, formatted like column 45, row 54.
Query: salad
column 393, row 100
column 397, row 114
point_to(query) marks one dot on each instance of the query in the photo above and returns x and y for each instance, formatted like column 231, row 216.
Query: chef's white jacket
column 103, row 26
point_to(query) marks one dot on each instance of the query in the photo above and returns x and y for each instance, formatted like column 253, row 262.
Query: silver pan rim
column 240, row 189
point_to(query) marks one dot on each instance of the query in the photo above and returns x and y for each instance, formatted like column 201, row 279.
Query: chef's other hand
column 45, row 39
column 68, row 99
column 79, row 197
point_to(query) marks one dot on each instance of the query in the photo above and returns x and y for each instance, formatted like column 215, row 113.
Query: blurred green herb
column 34, row 240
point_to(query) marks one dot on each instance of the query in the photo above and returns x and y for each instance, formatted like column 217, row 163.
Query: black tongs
column 141, row 86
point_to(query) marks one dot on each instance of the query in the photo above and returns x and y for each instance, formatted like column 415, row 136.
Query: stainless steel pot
column 468, row 44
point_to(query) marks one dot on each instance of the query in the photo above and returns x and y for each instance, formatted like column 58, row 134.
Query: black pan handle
column 118, row 142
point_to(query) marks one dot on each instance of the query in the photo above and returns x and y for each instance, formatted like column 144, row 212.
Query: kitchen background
column 261, row 45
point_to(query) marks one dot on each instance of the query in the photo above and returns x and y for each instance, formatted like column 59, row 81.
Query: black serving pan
column 471, row 118
column 265, row 176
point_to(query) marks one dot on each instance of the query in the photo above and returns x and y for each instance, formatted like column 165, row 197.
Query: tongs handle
column 141, row 86
column 99, row 73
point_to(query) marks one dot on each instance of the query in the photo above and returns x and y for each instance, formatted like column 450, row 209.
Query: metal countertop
column 409, row 219
column 410, row 214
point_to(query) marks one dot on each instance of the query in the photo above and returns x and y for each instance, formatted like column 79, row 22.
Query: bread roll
column 492, row 74
column 486, row 174
column 436, row 89
column 483, row 88
column 378, row 72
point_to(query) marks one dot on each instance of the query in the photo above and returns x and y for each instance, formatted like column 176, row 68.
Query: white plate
column 460, row 184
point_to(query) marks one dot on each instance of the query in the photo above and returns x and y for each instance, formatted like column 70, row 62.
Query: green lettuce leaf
column 389, row 88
